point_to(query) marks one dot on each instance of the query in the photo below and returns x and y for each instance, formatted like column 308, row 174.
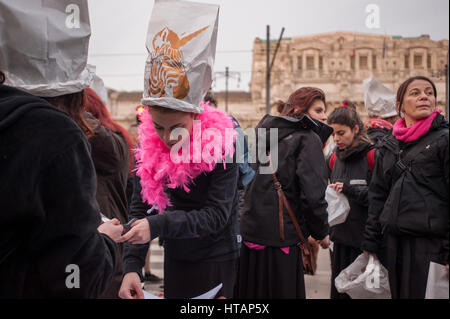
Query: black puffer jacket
column 302, row 173
column 48, row 212
column 423, row 213
column 351, row 168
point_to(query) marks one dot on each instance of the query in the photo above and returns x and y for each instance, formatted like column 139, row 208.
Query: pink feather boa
column 156, row 168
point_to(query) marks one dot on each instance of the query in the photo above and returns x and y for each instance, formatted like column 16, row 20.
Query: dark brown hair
column 404, row 86
column 210, row 98
column 348, row 116
column 300, row 101
column 2, row 77
column 74, row 105
column 347, row 103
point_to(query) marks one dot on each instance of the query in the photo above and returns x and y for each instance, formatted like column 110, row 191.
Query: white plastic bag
column 364, row 279
column 379, row 100
column 338, row 207
column 437, row 283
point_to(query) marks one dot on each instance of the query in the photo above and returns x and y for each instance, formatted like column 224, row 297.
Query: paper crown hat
column 379, row 100
column 44, row 46
column 181, row 44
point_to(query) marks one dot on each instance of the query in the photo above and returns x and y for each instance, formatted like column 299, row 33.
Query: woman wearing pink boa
column 408, row 223
column 194, row 200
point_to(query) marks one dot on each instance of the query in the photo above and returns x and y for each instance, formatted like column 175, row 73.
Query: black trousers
column 183, row 280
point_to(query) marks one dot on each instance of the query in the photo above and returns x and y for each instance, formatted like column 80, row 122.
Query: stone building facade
column 122, row 106
column 335, row 62
column 339, row 62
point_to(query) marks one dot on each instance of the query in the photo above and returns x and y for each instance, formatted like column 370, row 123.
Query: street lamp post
column 227, row 74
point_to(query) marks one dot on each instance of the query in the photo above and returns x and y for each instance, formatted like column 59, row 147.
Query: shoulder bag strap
column 404, row 163
column 283, row 200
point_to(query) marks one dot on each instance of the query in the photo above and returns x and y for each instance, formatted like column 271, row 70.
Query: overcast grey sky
column 119, row 28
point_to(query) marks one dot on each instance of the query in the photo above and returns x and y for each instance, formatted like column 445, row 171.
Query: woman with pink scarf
column 408, row 223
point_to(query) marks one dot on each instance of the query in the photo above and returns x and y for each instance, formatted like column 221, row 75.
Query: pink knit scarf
column 156, row 168
column 414, row 132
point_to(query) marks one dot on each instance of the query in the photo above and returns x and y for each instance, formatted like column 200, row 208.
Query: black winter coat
column 110, row 157
column 352, row 169
column 201, row 226
column 302, row 172
column 48, row 212
column 109, row 152
column 423, row 214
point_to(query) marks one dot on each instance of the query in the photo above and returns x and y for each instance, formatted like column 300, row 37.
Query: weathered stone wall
column 339, row 62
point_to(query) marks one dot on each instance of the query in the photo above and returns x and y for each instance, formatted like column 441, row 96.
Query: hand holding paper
column 338, row 187
column 112, row 228
column 131, row 287
column 338, row 206
column 325, row 243
column 138, row 234
column 437, row 283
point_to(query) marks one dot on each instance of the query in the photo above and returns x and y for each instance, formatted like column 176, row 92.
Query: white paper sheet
column 207, row 295
column 437, row 284
column 104, row 218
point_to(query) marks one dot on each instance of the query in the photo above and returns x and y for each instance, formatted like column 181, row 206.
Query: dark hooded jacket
column 420, row 211
column 300, row 168
column 109, row 153
column 377, row 134
column 48, row 212
column 110, row 157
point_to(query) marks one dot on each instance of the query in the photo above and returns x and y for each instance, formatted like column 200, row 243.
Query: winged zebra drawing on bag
column 167, row 69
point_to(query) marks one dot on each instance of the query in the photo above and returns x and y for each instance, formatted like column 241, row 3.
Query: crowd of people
column 72, row 178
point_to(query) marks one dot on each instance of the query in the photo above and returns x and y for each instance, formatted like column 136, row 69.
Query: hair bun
column 349, row 104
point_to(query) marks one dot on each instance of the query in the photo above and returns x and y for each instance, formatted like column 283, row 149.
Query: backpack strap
column 420, row 146
column 331, row 161
column 403, row 164
column 370, row 155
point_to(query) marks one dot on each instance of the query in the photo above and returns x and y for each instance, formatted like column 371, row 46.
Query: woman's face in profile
column 344, row 136
column 317, row 111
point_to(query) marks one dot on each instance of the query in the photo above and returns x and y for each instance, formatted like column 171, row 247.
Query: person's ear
column 400, row 112
column 356, row 129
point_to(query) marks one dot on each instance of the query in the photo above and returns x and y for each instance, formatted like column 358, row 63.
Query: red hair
column 300, row 101
column 97, row 108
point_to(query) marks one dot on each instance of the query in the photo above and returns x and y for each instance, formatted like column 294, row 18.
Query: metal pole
column 227, row 73
column 446, row 90
column 276, row 49
column 268, row 71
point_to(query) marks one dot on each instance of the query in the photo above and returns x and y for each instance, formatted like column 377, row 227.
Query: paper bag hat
column 378, row 99
column 44, row 45
column 181, row 42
